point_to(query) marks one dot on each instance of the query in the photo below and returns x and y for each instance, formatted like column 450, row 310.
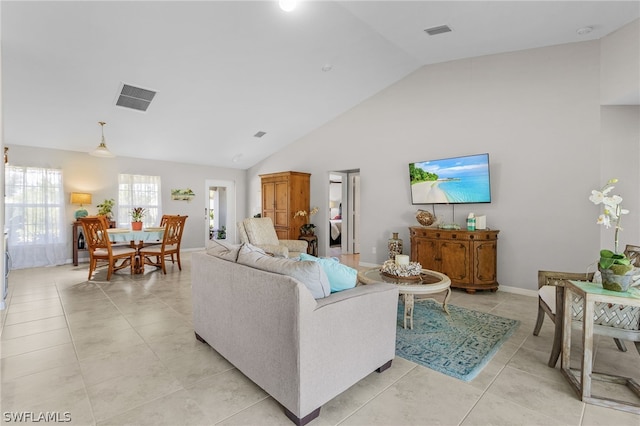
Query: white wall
column 99, row 176
column 536, row 112
column 620, row 66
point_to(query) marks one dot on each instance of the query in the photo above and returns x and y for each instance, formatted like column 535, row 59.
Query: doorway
column 220, row 211
column 344, row 212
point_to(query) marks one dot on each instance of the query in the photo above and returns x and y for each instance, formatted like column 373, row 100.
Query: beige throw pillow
column 308, row 273
column 224, row 250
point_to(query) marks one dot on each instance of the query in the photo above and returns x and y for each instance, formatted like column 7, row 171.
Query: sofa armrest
column 348, row 336
column 299, row 246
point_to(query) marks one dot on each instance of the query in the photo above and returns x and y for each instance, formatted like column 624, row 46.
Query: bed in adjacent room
column 335, row 226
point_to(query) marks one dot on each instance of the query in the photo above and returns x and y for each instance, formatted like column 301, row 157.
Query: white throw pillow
column 308, row 273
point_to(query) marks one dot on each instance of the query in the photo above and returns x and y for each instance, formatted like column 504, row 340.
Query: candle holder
column 395, row 246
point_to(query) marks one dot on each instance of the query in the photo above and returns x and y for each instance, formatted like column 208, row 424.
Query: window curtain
column 35, row 217
column 138, row 191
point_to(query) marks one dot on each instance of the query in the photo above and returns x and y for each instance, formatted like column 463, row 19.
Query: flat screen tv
column 457, row 180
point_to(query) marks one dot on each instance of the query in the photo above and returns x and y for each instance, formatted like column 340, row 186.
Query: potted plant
column 105, row 208
column 137, row 213
column 616, row 269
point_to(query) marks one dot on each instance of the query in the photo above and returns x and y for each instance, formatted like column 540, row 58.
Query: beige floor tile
column 556, row 398
column 118, row 363
column 33, row 315
column 37, row 361
column 69, row 407
column 33, row 327
column 33, row 342
column 26, row 391
column 107, row 342
column 177, row 408
column 162, row 329
column 126, row 392
column 35, row 305
column 495, row 411
column 225, row 394
column 266, row 412
column 175, row 345
column 194, row 366
column 408, row 401
column 595, row 415
column 349, row 401
column 81, row 330
column 146, row 317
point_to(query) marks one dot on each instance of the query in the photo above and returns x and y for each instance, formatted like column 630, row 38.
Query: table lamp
column 80, row 198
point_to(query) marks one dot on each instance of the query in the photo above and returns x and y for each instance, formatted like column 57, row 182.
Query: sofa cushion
column 224, row 250
column 308, row 273
column 341, row 277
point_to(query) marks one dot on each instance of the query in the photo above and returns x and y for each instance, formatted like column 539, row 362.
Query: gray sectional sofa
column 259, row 313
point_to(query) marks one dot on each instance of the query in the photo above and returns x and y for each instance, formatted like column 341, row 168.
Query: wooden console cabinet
column 468, row 258
column 283, row 194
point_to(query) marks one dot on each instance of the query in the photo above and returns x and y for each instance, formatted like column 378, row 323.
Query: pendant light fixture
column 102, row 150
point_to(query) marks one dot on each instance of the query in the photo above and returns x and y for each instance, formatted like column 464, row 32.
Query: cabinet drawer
column 448, row 234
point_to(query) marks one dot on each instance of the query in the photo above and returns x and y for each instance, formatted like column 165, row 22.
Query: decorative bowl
column 425, row 218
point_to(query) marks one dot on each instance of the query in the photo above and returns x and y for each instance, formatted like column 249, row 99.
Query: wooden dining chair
column 156, row 255
column 101, row 249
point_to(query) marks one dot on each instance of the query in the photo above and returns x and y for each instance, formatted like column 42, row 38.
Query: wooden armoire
column 283, row 194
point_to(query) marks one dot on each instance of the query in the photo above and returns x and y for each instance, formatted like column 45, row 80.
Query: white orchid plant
column 307, row 227
column 610, row 216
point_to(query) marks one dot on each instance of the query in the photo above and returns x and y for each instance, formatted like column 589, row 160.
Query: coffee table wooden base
column 433, row 282
column 408, row 306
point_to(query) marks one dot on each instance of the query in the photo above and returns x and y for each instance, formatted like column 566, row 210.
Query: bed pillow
column 341, row 277
column 310, row 274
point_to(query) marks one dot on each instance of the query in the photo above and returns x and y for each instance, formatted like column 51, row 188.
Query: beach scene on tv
column 451, row 180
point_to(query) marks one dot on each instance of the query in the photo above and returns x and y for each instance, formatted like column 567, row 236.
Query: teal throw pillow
column 341, row 277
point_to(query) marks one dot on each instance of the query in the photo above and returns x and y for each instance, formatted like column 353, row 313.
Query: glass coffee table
column 429, row 282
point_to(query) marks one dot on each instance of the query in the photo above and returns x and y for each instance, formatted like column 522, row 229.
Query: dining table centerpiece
column 616, row 269
column 137, row 213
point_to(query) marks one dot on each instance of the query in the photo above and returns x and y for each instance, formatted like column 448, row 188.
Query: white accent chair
column 260, row 232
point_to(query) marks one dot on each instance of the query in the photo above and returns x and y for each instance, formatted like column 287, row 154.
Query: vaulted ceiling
column 226, row 70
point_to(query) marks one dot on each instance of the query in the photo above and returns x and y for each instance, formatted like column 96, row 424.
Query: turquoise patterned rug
column 459, row 344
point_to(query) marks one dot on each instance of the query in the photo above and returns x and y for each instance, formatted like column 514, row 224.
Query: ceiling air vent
column 438, row 30
column 135, row 97
column 259, row 134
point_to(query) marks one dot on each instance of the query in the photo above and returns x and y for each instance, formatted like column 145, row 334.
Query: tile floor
column 123, row 352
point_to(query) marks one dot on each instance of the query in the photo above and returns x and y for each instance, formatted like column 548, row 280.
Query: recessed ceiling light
column 288, row 5
column 584, row 30
column 259, row 134
column 236, row 158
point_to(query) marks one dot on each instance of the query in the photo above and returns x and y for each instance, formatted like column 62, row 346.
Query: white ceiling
column 225, row 70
